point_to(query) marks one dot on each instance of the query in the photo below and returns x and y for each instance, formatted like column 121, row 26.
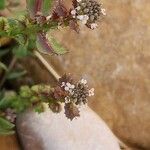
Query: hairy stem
column 47, row 65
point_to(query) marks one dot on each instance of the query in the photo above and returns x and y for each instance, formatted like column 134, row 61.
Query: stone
column 115, row 58
column 50, row 131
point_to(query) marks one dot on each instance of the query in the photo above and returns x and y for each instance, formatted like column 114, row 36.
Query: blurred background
column 115, row 59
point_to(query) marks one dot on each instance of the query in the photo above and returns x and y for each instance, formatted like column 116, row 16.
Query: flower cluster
column 76, row 93
column 87, row 11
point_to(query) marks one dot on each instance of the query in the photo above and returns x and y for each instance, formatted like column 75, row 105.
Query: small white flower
column 71, row 92
column 94, row 26
column 72, row 86
column 103, row 11
column 83, row 81
column 66, row 88
column 63, row 84
column 83, row 18
column 80, row 17
column 68, row 84
column 48, row 17
column 78, row 8
column 86, row 17
column 67, row 99
column 73, row 12
column 91, row 92
column 79, row 1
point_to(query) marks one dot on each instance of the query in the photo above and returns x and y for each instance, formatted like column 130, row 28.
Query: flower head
column 87, row 11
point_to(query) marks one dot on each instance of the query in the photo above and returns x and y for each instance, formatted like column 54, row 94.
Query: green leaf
column 31, row 7
column 46, row 7
column 6, row 132
column 2, row 4
column 43, row 6
column 7, row 100
column 6, row 127
column 5, row 124
column 14, row 75
column 21, row 51
column 3, row 66
column 58, row 48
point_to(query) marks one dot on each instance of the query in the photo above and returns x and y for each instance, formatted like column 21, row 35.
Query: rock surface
column 49, row 131
column 115, row 58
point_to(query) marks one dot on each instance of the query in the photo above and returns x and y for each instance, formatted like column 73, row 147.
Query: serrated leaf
column 43, row 44
column 2, row 4
column 3, row 66
column 49, row 45
column 14, row 75
column 58, row 48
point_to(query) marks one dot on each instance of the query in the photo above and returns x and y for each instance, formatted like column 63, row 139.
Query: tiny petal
column 66, row 88
column 78, row 8
column 103, row 11
column 84, row 21
column 62, row 84
column 68, row 84
column 72, row 86
column 79, row 1
column 67, row 100
column 86, row 17
column 48, row 17
column 80, row 17
column 83, row 81
column 94, row 26
column 73, row 12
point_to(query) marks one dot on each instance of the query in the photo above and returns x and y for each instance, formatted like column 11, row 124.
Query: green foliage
column 21, row 51
column 15, row 74
column 6, row 128
column 3, row 66
column 39, row 108
column 7, row 100
column 2, row 4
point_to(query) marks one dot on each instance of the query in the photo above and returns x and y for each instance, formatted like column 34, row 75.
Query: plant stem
column 11, row 65
column 47, row 65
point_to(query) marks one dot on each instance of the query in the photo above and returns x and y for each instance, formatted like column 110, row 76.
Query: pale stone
column 49, row 131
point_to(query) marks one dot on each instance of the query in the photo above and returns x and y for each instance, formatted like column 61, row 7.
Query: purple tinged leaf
column 43, row 44
column 60, row 11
